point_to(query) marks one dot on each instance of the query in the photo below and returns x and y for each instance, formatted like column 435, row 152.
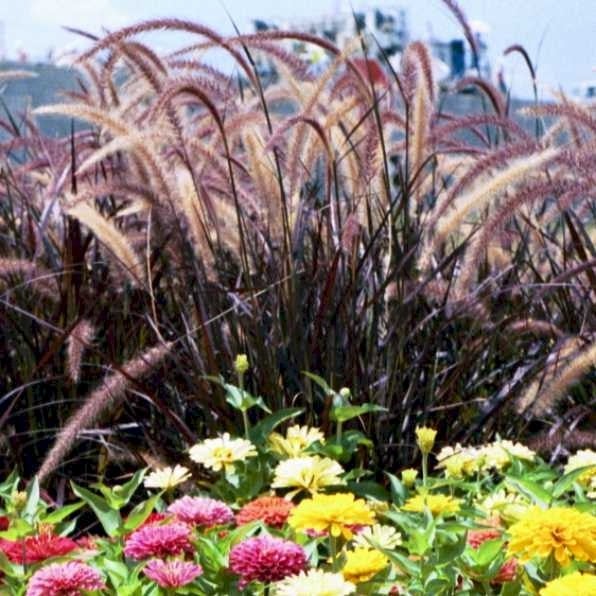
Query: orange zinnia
column 274, row 511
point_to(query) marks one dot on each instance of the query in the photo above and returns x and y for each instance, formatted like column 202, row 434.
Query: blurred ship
column 386, row 34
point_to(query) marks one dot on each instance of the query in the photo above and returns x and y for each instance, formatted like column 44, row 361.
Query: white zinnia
column 167, row 477
column 314, row 583
column 222, row 452
column 378, row 536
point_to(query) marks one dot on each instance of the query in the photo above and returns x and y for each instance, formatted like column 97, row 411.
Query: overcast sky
column 558, row 34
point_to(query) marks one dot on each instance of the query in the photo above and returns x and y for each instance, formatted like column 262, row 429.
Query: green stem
column 339, row 431
column 246, row 424
column 333, row 551
column 424, row 468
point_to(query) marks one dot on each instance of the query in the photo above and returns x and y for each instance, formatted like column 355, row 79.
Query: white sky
column 559, row 34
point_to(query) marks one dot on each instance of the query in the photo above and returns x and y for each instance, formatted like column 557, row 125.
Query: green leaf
column 259, row 432
column 32, row 498
column 320, row 382
column 125, row 493
column 487, row 552
column 566, row 482
column 345, row 413
column 58, row 515
column 369, row 489
column 139, row 514
column 532, row 490
column 109, row 518
column 398, row 490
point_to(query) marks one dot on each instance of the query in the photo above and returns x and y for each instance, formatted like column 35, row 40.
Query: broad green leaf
column 487, row 551
column 58, row 515
column 345, row 413
column 320, row 382
column 140, row 513
column 532, row 490
column 259, row 432
column 566, row 482
column 109, row 518
column 32, row 498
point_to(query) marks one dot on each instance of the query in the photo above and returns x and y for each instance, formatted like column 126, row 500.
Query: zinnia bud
column 425, row 437
column 241, row 364
column 408, row 477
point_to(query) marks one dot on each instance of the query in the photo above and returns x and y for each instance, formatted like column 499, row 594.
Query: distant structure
column 386, row 32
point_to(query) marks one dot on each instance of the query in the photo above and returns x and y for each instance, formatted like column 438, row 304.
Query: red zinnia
column 508, row 570
column 274, row 511
column 266, row 559
column 33, row 549
column 478, row 537
column 158, row 541
column 4, row 523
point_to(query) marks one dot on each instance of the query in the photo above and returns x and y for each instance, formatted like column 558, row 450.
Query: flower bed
column 298, row 513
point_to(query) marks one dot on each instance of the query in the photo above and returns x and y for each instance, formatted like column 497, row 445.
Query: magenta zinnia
column 201, row 511
column 266, row 559
column 172, row 574
column 158, row 541
column 64, row 579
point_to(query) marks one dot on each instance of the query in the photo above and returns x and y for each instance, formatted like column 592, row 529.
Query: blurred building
column 386, row 33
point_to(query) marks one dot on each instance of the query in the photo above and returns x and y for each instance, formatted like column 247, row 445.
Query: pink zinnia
column 172, row 574
column 266, row 559
column 158, row 541
column 201, row 511
column 33, row 549
column 64, row 579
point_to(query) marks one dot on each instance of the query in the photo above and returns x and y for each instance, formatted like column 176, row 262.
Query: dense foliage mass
column 298, row 514
column 348, row 224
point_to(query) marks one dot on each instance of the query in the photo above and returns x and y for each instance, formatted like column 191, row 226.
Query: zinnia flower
column 309, row 472
column 425, row 437
column 201, row 511
column 507, row 506
column 378, row 536
column 573, row 584
column 362, row 564
column 436, row 504
column 297, row 440
column 158, row 541
column 222, row 452
column 64, row 579
column 315, row 583
column 167, row 478
column 336, row 514
column 33, row 549
column 562, row 531
column 266, row 559
column 4, row 523
column 172, row 574
column 273, row 511
column 477, row 538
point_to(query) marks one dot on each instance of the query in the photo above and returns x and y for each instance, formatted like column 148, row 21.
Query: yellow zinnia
column 362, row 564
column 309, row 472
column 336, row 514
column 563, row 532
column 436, row 504
column 297, row 440
column 573, row 584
